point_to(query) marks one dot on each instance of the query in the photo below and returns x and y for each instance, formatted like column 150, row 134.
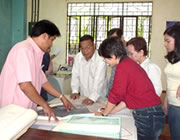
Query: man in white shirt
column 89, row 73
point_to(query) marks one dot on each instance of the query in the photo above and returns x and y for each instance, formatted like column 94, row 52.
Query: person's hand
column 87, row 101
column 49, row 112
column 102, row 108
column 131, row 110
column 165, row 105
column 178, row 93
column 67, row 104
column 75, row 96
column 165, row 108
column 98, row 113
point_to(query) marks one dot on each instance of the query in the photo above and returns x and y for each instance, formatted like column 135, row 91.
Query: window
column 96, row 19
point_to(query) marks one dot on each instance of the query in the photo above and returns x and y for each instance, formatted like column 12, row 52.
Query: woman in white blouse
column 137, row 50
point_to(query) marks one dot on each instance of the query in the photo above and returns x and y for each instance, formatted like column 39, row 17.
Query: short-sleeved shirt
column 172, row 72
column 133, row 86
column 23, row 64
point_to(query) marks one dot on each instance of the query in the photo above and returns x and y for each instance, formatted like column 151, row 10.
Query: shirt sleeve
column 120, row 84
column 154, row 74
column 75, row 81
column 111, row 80
column 100, row 81
column 22, row 65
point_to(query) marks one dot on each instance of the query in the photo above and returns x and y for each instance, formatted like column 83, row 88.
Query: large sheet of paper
column 109, row 127
column 15, row 120
column 60, row 111
column 128, row 129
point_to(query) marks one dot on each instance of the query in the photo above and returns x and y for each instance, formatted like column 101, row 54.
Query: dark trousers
column 43, row 94
column 149, row 122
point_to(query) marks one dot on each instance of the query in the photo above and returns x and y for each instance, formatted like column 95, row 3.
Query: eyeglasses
column 86, row 47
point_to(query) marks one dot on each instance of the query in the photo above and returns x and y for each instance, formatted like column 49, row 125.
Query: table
column 128, row 129
column 36, row 134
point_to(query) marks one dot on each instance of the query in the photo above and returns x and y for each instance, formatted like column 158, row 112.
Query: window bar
column 79, row 30
column 136, row 25
column 121, row 23
column 108, row 28
column 69, row 41
column 96, row 30
column 92, row 26
column 149, row 32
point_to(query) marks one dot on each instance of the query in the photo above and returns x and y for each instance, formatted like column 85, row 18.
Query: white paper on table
column 15, row 120
column 54, row 103
column 127, row 131
column 43, row 123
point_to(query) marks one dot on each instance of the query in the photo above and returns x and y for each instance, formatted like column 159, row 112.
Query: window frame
column 73, row 46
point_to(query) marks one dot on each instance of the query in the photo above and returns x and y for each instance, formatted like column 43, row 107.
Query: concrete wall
column 12, row 25
column 18, row 20
column 5, row 28
column 55, row 11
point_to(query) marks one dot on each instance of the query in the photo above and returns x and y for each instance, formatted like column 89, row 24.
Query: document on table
column 128, row 129
column 43, row 123
column 61, row 112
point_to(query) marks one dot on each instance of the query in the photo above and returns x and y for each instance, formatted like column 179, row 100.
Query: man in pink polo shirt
column 22, row 77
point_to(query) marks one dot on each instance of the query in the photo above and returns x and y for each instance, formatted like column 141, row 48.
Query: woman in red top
column 132, row 86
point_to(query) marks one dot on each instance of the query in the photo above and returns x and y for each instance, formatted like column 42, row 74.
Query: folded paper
column 14, row 121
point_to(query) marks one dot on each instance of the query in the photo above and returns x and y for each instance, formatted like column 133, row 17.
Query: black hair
column 87, row 37
column 174, row 32
column 118, row 31
column 45, row 26
column 112, row 46
column 139, row 44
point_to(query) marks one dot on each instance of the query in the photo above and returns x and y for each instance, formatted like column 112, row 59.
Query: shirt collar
column 145, row 62
column 35, row 46
column 93, row 58
column 122, row 58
